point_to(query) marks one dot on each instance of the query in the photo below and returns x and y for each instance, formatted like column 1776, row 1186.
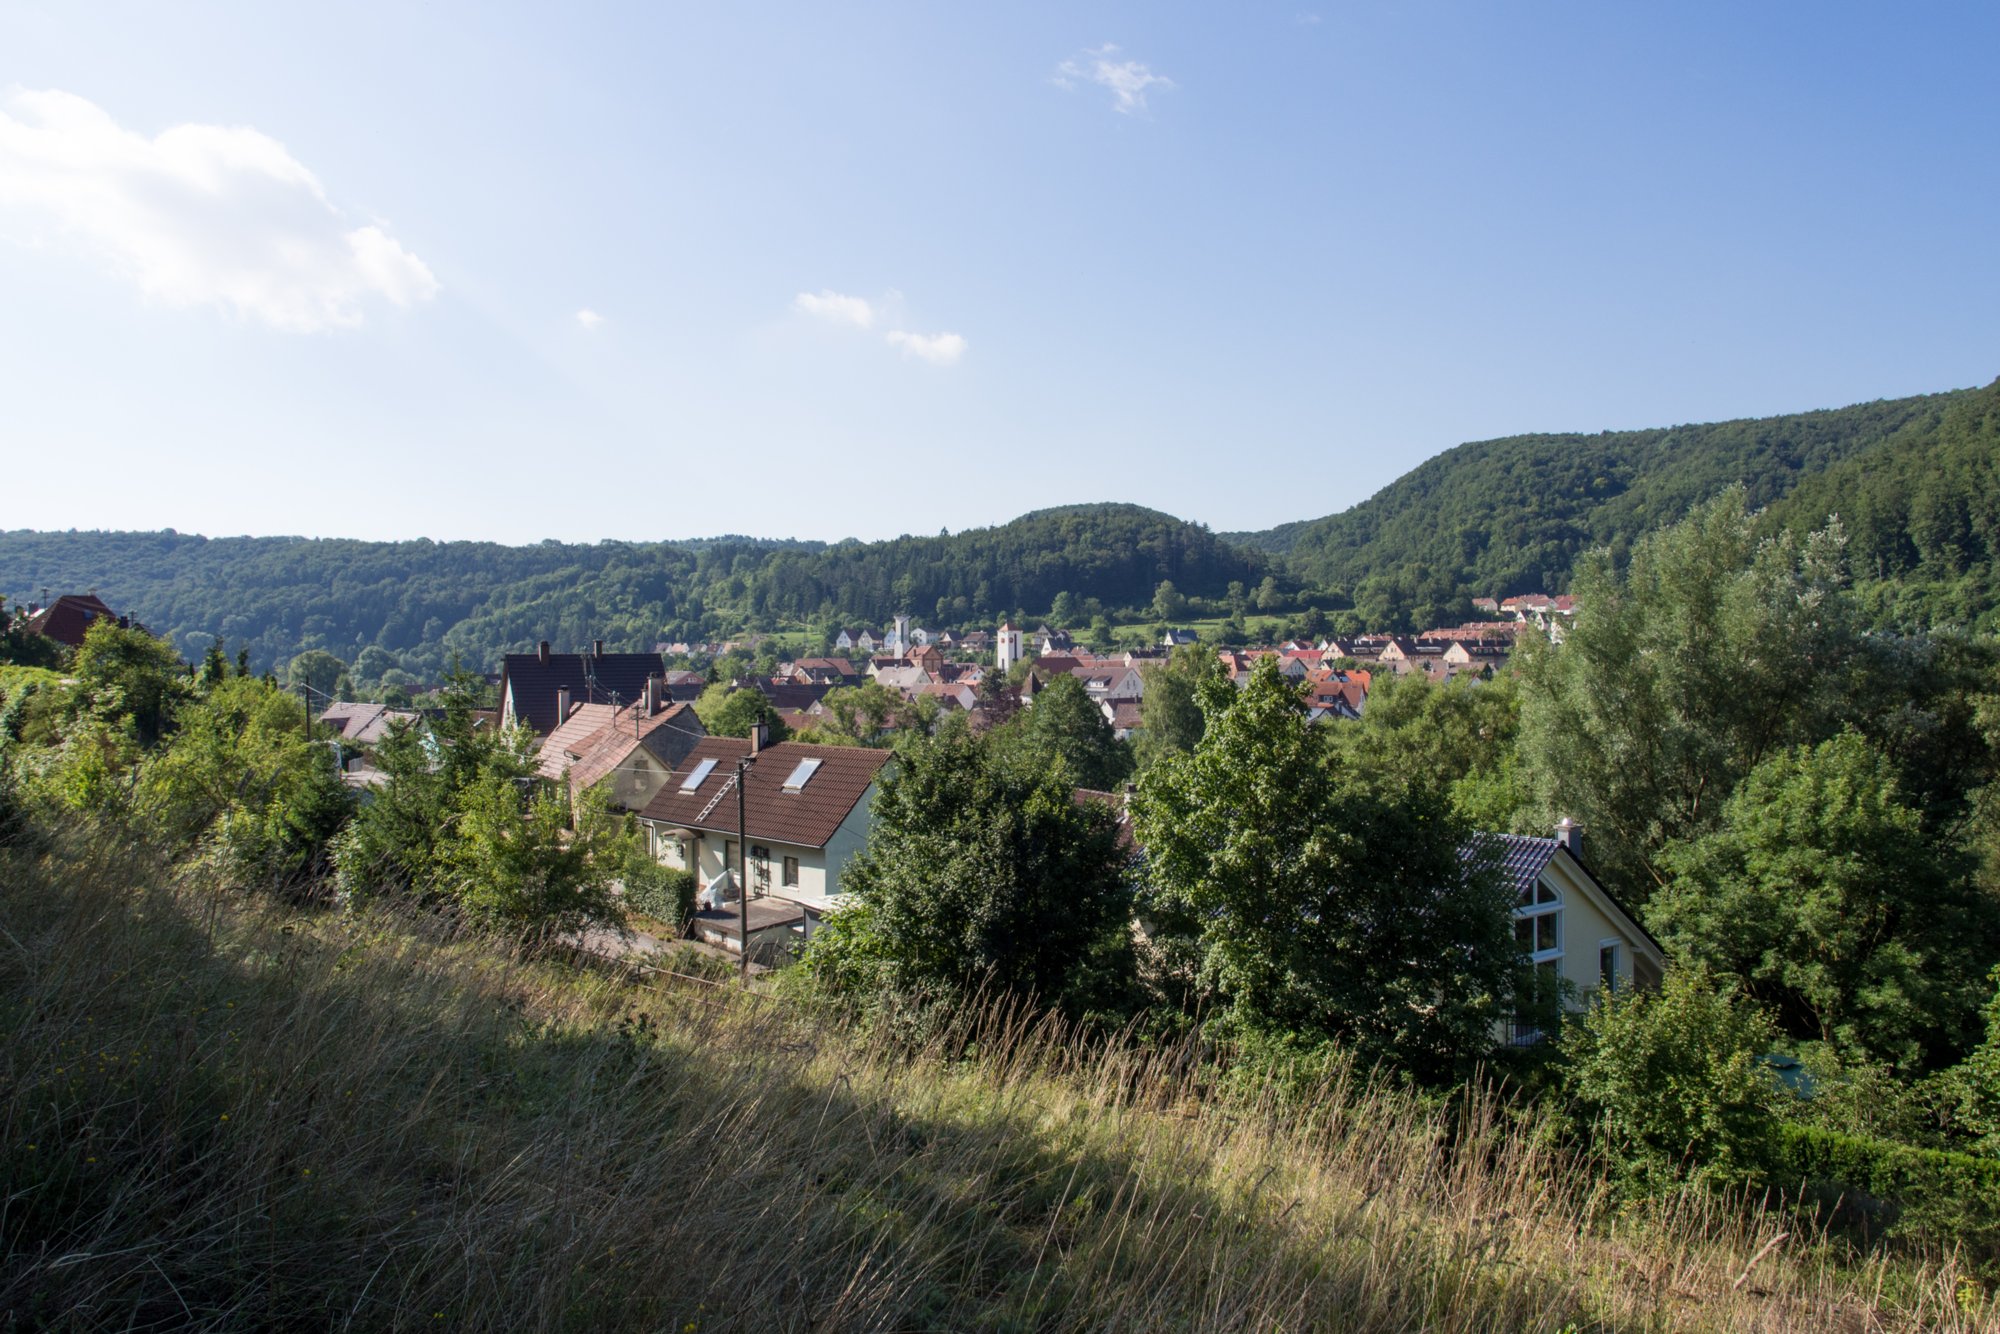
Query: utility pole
column 743, row 870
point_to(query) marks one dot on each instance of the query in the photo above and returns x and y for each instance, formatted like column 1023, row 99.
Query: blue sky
column 654, row 271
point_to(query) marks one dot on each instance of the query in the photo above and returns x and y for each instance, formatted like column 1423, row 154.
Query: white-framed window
column 1607, row 965
column 1538, row 922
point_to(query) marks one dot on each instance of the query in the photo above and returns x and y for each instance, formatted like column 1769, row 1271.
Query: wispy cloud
column 589, row 318
column 835, row 308
column 1128, row 80
column 199, row 215
column 939, row 349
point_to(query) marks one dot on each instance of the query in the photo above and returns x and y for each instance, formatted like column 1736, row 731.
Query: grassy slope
column 220, row 1115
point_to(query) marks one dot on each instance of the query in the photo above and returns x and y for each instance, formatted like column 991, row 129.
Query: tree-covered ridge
column 1498, row 517
column 1922, row 517
column 422, row 602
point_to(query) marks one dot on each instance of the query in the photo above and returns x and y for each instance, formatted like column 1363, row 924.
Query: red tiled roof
column 67, row 618
column 806, row 818
column 612, row 744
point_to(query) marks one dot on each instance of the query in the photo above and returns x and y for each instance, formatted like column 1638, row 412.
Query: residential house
column 69, row 618
column 628, row 754
column 1123, row 715
column 1568, row 925
column 805, row 813
column 826, row 671
column 1111, row 683
column 530, row 683
column 1175, row 638
column 1053, row 641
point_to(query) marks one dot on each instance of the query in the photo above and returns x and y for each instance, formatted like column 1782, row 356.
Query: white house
column 805, row 811
column 1568, row 925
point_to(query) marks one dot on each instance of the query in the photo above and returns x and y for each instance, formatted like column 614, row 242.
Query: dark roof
column 807, row 818
column 792, row 696
column 591, row 680
column 1523, row 858
column 67, row 618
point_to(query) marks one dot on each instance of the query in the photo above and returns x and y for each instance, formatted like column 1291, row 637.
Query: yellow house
column 1568, row 925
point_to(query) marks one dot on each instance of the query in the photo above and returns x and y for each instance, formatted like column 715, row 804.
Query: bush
column 1671, row 1082
column 1936, row 1197
column 663, row 893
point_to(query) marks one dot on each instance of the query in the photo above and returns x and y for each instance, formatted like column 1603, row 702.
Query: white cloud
column 835, row 308
column 199, row 215
column 1128, row 80
column 588, row 318
column 939, row 349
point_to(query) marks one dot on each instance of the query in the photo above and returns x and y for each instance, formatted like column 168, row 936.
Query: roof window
column 801, row 775
column 695, row 779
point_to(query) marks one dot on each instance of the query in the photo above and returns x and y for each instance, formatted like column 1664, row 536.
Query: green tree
column 1711, row 652
column 1168, row 604
column 1456, row 738
column 1821, row 893
column 511, row 860
column 1671, row 1082
column 1065, row 727
column 1170, row 709
column 239, row 773
column 727, row 712
column 130, row 678
column 1268, row 596
column 982, row 873
column 318, row 672
column 1062, row 612
column 859, row 715
column 1321, row 909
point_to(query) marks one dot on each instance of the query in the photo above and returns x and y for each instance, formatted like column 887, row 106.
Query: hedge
column 665, row 893
column 1944, row 1198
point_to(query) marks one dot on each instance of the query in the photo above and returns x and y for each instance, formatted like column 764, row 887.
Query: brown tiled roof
column 363, row 724
column 67, row 618
column 572, row 739
column 612, row 744
column 806, row 818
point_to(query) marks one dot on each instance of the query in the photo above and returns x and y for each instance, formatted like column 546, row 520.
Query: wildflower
column 225, row 1116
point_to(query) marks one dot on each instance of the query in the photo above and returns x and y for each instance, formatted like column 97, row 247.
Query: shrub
column 1671, row 1082
column 1937, row 1197
column 664, row 893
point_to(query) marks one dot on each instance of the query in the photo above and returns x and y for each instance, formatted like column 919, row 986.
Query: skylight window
column 802, row 775
column 695, row 779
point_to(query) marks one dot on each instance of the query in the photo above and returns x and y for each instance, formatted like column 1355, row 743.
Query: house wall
column 1588, row 925
column 819, row 868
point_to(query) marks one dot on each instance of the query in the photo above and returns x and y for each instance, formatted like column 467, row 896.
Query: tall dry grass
column 220, row 1116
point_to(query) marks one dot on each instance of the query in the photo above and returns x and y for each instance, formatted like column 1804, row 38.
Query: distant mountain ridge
column 1497, row 517
column 1914, row 479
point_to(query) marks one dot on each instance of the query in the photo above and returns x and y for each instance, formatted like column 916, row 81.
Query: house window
column 1538, row 923
column 760, row 867
column 791, row 873
column 1607, row 966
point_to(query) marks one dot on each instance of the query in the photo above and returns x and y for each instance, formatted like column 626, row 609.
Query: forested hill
column 422, row 601
column 1922, row 514
column 1497, row 517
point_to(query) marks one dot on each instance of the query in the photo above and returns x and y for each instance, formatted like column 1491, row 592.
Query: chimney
column 542, row 653
column 760, row 737
column 562, row 705
column 1570, row 834
column 596, row 648
column 652, row 696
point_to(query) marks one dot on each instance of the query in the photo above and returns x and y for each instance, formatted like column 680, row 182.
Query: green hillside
column 423, row 601
column 1922, row 514
column 1505, row 516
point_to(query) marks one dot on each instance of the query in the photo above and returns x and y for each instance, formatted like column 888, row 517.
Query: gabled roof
column 805, row 818
column 1523, row 858
column 68, row 618
column 612, row 744
column 361, row 723
column 571, row 740
column 792, row 696
column 591, row 678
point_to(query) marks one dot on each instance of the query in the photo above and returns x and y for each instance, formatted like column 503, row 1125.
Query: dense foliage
column 1320, row 909
column 1507, row 516
column 414, row 605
